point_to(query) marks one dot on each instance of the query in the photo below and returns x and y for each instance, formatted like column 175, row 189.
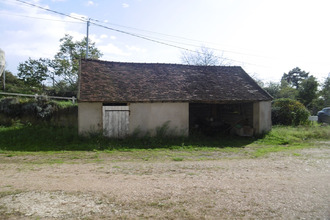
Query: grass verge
column 20, row 139
column 47, row 138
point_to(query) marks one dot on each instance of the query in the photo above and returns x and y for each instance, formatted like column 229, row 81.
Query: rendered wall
column 262, row 121
column 147, row 117
column 89, row 117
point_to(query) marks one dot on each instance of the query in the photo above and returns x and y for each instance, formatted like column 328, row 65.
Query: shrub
column 9, row 106
column 289, row 112
column 31, row 110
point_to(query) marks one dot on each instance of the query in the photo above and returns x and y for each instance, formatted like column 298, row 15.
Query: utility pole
column 4, row 81
column 87, row 38
column 2, row 68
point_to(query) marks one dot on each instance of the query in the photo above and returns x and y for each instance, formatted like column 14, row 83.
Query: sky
column 266, row 37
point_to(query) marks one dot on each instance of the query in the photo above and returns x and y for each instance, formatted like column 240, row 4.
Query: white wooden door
column 115, row 121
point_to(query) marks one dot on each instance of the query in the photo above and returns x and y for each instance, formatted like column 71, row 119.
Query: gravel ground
column 285, row 185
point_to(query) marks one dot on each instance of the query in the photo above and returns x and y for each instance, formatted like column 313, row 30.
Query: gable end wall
column 262, row 121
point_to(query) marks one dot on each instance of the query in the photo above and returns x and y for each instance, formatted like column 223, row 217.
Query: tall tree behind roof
column 295, row 76
column 202, row 57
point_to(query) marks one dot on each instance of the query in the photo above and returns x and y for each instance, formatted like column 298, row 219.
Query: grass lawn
column 67, row 144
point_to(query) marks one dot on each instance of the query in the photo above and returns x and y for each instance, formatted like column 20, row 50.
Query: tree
column 273, row 89
column 63, row 69
column 307, row 91
column 286, row 91
column 295, row 77
column 66, row 62
column 325, row 91
column 14, row 84
column 202, row 57
column 33, row 72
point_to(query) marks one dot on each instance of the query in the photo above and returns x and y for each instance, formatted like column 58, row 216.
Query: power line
column 183, row 38
column 133, row 34
column 152, row 32
column 40, row 18
column 167, row 44
column 60, row 13
column 157, row 41
column 47, row 9
column 194, row 45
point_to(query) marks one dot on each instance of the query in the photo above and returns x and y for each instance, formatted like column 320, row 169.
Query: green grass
column 64, row 104
column 178, row 159
column 47, row 138
column 23, row 138
column 264, row 150
column 287, row 135
column 287, row 138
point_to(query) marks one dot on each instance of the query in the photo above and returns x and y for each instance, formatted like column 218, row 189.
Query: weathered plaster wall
column 89, row 117
column 262, row 121
column 146, row 117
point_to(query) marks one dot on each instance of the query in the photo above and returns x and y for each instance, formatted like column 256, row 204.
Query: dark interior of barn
column 219, row 119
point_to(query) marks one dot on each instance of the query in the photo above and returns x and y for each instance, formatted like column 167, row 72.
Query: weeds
column 49, row 138
column 287, row 135
column 177, row 159
column 64, row 104
column 28, row 138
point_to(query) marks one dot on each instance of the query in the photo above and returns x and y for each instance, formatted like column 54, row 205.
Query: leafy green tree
column 286, row 91
column 14, row 84
column 325, row 91
column 307, row 91
column 316, row 105
column 62, row 70
column 273, row 89
column 33, row 72
column 295, row 76
column 66, row 62
column 62, row 88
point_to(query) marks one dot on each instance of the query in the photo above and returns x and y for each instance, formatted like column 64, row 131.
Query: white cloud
column 77, row 36
column 111, row 49
column 125, row 5
column 36, row 38
column 136, row 49
column 113, row 37
column 103, row 36
column 90, row 3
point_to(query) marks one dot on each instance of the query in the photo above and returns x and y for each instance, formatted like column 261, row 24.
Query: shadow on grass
column 46, row 138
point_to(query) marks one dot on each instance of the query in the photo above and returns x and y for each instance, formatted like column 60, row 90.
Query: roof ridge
column 174, row 64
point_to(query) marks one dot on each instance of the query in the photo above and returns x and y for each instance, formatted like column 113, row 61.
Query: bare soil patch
column 284, row 185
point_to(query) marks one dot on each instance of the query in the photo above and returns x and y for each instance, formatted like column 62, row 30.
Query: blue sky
column 266, row 38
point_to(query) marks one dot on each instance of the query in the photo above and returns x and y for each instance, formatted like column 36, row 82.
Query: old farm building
column 123, row 98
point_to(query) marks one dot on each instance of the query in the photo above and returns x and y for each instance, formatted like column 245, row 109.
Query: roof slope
column 102, row 81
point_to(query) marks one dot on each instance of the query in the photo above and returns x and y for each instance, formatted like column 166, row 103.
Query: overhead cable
column 93, row 21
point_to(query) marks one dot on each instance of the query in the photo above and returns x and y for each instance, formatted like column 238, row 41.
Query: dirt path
column 280, row 186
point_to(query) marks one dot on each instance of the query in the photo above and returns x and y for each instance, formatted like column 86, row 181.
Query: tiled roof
column 103, row 81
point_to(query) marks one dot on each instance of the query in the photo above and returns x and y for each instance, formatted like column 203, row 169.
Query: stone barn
column 122, row 99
